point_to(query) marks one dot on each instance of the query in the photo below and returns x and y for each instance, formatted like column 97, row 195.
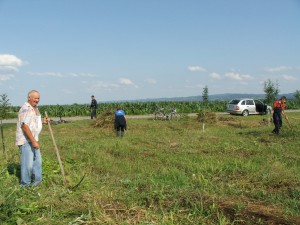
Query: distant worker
column 278, row 107
column 120, row 122
column 93, row 107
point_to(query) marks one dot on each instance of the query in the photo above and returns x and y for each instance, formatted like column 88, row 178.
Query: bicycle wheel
column 175, row 116
column 159, row 115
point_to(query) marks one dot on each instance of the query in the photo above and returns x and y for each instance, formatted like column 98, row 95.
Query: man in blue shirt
column 120, row 122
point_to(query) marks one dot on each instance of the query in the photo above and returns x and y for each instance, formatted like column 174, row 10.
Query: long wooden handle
column 57, row 153
column 288, row 122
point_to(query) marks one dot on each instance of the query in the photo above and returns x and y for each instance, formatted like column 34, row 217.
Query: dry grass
column 105, row 119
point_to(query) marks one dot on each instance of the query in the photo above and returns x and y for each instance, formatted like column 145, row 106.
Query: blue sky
column 136, row 49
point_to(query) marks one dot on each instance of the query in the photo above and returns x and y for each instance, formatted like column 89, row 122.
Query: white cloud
column 10, row 60
column 4, row 77
column 58, row 74
column 9, row 65
column 46, row 74
column 277, row 69
column 247, row 77
column 109, row 85
column 238, row 76
column 289, row 78
column 215, row 76
column 105, row 85
column 80, row 74
column 127, row 82
column 4, row 69
column 196, row 69
column 150, row 81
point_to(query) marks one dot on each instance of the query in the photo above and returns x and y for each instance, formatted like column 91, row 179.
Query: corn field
column 135, row 108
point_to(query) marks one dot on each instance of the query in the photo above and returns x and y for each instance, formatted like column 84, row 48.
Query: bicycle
column 173, row 114
column 159, row 114
column 162, row 114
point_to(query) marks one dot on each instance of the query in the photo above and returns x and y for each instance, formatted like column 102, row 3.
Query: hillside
column 226, row 96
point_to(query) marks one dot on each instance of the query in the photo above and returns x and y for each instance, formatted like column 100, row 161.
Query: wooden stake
column 57, row 153
column 2, row 138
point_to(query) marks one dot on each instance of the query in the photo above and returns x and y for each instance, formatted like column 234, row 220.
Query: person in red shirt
column 278, row 107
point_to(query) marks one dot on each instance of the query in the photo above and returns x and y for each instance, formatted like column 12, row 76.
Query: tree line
column 271, row 90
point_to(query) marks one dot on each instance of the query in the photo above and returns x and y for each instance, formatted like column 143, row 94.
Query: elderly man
column 29, row 126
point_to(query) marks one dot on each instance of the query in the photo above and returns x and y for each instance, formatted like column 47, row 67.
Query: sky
column 119, row 50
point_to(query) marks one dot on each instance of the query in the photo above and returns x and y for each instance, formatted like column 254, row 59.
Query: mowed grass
column 235, row 171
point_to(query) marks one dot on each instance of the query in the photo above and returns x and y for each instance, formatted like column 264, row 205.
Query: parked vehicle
column 247, row 107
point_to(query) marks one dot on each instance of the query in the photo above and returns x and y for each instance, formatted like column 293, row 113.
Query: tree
column 271, row 89
column 297, row 96
column 4, row 106
column 205, row 95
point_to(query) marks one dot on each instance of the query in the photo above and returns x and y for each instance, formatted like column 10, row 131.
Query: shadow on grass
column 14, row 169
column 253, row 133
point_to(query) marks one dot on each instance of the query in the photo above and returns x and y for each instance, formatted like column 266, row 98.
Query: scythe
column 288, row 122
column 59, row 158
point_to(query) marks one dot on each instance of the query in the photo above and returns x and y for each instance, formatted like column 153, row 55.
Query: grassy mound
column 105, row 119
column 207, row 117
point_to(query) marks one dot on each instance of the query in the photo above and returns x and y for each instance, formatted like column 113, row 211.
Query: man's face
column 34, row 99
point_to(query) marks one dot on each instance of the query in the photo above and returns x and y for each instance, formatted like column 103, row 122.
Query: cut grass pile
column 161, row 172
column 105, row 119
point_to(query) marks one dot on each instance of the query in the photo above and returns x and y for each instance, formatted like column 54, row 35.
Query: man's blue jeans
column 31, row 164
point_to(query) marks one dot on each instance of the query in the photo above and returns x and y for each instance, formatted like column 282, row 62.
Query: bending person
column 120, row 122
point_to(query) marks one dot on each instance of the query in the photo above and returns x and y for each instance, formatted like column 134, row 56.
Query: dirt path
column 128, row 116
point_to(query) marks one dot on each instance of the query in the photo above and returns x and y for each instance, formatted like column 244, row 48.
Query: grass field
column 235, row 171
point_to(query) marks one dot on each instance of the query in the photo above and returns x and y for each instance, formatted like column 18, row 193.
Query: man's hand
column 30, row 136
column 35, row 144
column 46, row 120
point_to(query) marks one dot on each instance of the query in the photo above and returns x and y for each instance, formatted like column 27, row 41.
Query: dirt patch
column 244, row 211
column 173, row 144
column 226, row 119
column 254, row 213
